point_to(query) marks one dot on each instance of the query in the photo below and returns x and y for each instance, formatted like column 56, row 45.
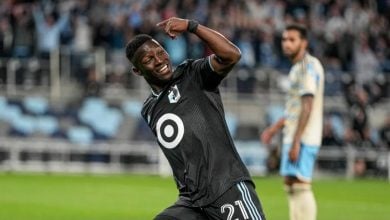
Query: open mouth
column 163, row 69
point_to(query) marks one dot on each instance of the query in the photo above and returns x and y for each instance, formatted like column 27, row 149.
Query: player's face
column 292, row 43
column 152, row 62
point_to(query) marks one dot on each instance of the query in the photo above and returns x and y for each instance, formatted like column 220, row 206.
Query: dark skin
column 152, row 61
column 294, row 47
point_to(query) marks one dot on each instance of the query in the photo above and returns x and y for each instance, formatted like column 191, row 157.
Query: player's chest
column 295, row 77
column 179, row 101
column 173, row 115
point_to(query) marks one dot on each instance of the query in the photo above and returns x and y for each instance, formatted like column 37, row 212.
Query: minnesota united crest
column 174, row 94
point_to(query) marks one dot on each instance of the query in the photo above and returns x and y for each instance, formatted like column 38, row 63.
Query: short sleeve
column 204, row 73
column 309, row 81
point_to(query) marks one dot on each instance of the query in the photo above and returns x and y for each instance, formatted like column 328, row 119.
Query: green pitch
column 78, row 197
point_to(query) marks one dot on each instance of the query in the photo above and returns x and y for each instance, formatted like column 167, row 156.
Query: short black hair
column 135, row 43
column 297, row 27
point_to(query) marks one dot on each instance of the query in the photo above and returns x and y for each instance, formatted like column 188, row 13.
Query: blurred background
column 69, row 102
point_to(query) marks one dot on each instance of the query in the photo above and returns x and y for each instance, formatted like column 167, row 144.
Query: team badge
column 174, row 94
column 170, row 130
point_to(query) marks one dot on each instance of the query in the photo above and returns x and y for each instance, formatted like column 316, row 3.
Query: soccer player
column 186, row 114
column 302, row 123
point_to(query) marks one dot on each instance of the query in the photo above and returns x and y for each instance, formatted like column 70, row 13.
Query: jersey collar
column 155, row 94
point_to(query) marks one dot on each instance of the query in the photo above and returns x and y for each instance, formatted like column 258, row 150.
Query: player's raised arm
column 226, row 54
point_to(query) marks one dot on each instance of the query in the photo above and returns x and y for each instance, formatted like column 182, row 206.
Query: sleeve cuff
column 211, row 66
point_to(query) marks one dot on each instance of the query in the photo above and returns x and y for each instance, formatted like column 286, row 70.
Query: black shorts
column 239, row 202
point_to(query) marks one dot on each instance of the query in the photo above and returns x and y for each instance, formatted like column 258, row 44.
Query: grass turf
column 83, row 197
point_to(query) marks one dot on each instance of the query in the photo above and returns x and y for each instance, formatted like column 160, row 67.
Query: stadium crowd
column 347, row 35
column 351, row 38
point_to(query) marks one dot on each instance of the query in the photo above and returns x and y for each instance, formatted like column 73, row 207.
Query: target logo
column 170, row 130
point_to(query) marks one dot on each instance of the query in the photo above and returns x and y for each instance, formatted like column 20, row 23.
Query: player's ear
column 136, row 71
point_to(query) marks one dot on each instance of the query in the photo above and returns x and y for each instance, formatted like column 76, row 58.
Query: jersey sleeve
column 145, row 111
column 204, row 73
column 309, row 81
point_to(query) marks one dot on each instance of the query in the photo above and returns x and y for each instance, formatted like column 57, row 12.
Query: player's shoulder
column 185, row 64
column 190, row 66
column 148, row 100
column 147, row 104
column 314, row 61
column 182, row 68
column 188, row 62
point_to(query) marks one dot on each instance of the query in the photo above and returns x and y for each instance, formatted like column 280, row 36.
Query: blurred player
column 185, row 113
column 302, row 124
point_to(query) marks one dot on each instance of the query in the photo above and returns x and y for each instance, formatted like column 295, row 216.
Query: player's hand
column 293, row 154
column 173, row 26
column 266, row 136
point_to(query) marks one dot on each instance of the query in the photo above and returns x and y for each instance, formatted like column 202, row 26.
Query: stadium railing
column 134, row 157
column 61, row 156
column 349, row 155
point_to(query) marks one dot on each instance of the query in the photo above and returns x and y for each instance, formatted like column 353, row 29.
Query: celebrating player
column 186, row 114
column 302, row 123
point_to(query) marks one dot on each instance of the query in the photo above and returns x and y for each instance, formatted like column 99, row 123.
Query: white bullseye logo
column 170, row 130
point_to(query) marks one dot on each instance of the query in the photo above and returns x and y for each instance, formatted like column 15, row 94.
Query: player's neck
column 156, row 91
column 299, row 57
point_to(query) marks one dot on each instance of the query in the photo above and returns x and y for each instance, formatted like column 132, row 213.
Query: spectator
column 384, row 133
column 248, row 54
column 366, row 64
column 382, row 52
column 82, row 35
column 359, row 118
column 48, row 30
column 357, row 18
column 92, row 85
column 329, row 137
column 346, row 33
column 120, row 20
column 267, row 51
column 23, row 31
column 5, row 37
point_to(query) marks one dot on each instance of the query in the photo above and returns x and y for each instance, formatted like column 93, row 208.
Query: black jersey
column 188, row 120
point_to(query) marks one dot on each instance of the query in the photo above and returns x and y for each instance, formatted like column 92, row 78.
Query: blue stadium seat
column 10, row 113
column 80, row 135
column 36, row 104
column 47, row 125
column 132, row 108
column 91, row 110
column 103, row 120
column 107, row 125
column 24, row 125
